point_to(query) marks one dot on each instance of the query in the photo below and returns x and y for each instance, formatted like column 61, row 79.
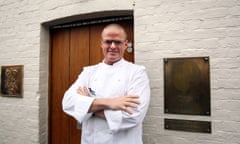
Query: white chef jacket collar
column 115, row 64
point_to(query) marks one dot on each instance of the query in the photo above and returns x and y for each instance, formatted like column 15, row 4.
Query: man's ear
column 126, row 44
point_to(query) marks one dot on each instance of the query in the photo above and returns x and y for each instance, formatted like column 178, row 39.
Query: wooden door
column 71, row 50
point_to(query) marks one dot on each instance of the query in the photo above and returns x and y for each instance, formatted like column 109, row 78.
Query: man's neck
column 111, row 63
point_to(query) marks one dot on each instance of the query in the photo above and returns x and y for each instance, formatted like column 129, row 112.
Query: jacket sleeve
column 77, row 105
column 138, row 85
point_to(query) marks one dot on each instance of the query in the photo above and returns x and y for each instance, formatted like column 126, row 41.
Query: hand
column 83, row 91
column 124, row 102
column 100, row 114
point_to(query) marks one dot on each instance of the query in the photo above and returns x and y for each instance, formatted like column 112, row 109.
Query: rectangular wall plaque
column 12, row 81
column 188, row 125
column 187, row 86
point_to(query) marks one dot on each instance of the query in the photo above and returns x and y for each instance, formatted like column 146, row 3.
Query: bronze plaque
column 188, row 125
column 187, row 86
column 12, row 81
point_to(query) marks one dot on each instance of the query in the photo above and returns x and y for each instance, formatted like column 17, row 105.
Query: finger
column 132, row 105
column 85, row 91
column 79, row 90
column 133, row 96
column 133, row 101
column 126, row 110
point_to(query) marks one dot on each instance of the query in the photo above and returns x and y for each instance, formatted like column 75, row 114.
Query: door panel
column 95, row 44
column 71, row 50
column 59, row 75
column 79, row 57
column 79, row 51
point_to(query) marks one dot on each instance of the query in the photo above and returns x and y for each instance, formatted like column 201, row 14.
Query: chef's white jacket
column 105, row 81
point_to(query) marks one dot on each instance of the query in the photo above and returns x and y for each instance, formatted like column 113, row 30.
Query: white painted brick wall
column 184, row 29
column 163, row 28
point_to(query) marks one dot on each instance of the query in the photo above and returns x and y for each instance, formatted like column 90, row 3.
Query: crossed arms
column 118, row 103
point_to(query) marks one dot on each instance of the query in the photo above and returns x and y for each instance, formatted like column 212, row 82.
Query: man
column 111, row 98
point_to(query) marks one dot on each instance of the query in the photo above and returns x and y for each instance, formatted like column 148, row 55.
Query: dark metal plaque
column 187, row 86
column 12, row 80
column 188, row 125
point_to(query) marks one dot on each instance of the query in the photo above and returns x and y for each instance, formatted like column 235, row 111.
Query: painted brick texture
column 184, row 29
column 162, row 29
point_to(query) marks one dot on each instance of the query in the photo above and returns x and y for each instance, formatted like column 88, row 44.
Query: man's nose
column 113, row 45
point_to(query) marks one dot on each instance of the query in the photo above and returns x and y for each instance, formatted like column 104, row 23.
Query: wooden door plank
column 79, row 51
column 59, row 83
column 96, row 54
column 79, row 57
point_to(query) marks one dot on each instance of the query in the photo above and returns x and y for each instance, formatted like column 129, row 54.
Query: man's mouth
column 113, row 50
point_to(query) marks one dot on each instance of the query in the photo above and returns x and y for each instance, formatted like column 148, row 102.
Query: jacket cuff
column 82, row 106
column 114, row 119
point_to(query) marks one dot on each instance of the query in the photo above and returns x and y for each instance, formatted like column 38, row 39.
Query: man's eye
column 116, row 42
column 109, row 42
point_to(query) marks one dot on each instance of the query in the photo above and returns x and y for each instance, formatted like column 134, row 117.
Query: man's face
column 113, row 44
